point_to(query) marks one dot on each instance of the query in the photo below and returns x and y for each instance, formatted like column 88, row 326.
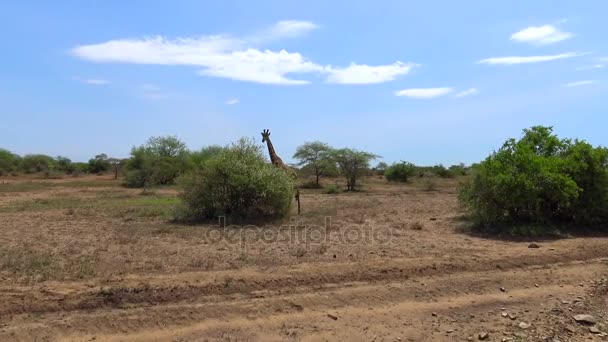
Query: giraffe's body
column 278, row 162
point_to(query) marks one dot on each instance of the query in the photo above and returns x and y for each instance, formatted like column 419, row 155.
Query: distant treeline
column 161, row 160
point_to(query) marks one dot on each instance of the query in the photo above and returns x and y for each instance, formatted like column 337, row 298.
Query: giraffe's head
column 265, row 135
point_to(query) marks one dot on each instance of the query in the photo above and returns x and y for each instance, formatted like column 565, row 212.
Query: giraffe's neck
column 273, row 155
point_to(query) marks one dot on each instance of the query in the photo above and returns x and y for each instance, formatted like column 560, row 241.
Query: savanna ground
column 85, row 259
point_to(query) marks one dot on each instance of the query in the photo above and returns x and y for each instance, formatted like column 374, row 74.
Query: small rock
column 503, row 289
column 524, row 325
column 536, row 285
column 335, row 318
column 594, row 330
column 434, row 314
column 483, row 336
column 512, row 317
column 570, row 328
column 449, row 331
column 586, row 319
column 533, row 245
column 504, row 314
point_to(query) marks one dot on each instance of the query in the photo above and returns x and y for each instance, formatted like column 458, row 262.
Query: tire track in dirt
column 153, row 290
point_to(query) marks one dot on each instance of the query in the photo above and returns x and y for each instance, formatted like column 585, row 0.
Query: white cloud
column 579, row 83
column 234, row 58
column 468, row 92
column 424, row 93
column 541, row 35
column 593, row 66
column 528, row 59
column 366, row 74
column 603, row 59
column 218, row 55
column 232, row 101
column 92, row 81
column 288, row 29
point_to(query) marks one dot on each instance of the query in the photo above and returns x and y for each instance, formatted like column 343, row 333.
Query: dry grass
column 93, row 228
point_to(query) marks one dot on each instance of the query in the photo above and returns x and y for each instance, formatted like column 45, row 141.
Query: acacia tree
column 352, row 163
column 314, row 155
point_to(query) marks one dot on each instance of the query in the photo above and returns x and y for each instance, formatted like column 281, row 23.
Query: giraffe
column 278, row 162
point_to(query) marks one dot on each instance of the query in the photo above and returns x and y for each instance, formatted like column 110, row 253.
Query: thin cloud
column 424, row 93
column 468, row 92
column 594, row 66
column 287, row 29
column 579, row 83
column 232, row 102
column 541, row 35
column 235, row 58
column 92, row 81
column 151, row 92
column 528, row 59
column 366, row 74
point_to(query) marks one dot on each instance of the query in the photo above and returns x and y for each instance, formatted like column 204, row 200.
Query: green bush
column 400, row 172
column 9, row 162
column 99, row 164
column 33, row 163
column 238, row 183
column 442, row 171
column 332, row 189
column 539, row 180
column 158, row 162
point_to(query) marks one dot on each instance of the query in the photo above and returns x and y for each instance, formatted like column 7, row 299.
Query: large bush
column 400, row 172
column 33, row 163
column 238, row 183
column 540, row 180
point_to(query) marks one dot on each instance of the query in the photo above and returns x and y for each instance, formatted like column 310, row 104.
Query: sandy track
column 384, row 301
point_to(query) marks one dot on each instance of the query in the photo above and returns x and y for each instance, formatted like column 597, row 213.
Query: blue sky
column 424, row 81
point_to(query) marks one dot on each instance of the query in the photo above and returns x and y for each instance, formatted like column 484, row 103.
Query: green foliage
column 400, row 172
column 196, row 158
column 65, row 165
column 380, row 168
column 316, row 156
column 332, row 189
column 158, row 162
column 33, row 163
column 99, row 164
column 9, row 162
column 352, row 164
column 458, row 170
column 441, row 171
column 237, row 183
column 540, row 180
